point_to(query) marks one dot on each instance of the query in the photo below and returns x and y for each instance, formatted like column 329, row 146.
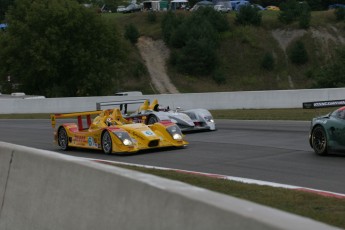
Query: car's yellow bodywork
column 110, row 132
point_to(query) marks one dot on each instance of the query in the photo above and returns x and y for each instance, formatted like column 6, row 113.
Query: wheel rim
column 106, row 143
column 319, row 140
column 63, row 139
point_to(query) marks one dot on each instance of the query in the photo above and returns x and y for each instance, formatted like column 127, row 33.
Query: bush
column 267, row 62
column 298, row 54
column 195, row 40
column 248, row 15
column 198, row 57
column 151, row 17
column 219, row 76
column 218, row 20
column 332, row 75
column 131, row 33
column 169, row 23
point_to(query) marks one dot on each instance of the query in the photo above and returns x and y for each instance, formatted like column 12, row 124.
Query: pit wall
column 218, row 100
column 45, row 190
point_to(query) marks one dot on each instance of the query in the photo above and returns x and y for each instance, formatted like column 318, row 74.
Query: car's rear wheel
column 319, row 140
column 63, row 138
column 107, row 144
column 152, row 119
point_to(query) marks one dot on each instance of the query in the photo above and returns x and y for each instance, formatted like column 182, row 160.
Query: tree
column 267, row 61
column 59, row 48
column 132, row 33
column 289, row 11
column 218, row 20
column 4, row 5
column 333, row 74
column 298, row 54
column 304, row 15
column 293, row 10
column 198, row 57
column 248, row 15
column 194, row 40
column 169, row 23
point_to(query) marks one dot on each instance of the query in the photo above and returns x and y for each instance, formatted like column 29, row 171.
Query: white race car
column 187, row 120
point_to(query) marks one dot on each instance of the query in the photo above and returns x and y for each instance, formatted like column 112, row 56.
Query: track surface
column 275, row 151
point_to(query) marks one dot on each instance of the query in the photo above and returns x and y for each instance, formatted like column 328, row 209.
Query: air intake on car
column 154, row 143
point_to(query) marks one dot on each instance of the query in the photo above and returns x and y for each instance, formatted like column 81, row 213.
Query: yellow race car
column 110, row 132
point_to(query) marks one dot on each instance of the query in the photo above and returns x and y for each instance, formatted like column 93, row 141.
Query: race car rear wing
column 323, row 104
column 123, row 105
column 78, row 115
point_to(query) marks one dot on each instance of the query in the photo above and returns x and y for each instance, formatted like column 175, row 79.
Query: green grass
column 324, row 209
column 270, row 114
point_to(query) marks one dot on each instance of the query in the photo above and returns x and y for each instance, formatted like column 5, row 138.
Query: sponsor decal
column 80, row 138
column 321, row 104
column 91, row 141
column 329, row 103
column 148, row 133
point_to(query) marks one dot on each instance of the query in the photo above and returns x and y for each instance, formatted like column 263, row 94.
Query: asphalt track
column 274, row 151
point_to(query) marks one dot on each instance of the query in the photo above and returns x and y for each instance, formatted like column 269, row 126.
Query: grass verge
column 328, row 210
column 271, row 114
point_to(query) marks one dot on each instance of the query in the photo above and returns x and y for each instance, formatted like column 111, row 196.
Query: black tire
column 319, row 140
column 152, row 119
column 107, row 144
column 63, row 138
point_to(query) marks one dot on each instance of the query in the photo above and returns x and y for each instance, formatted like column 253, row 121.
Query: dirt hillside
column 155, row 54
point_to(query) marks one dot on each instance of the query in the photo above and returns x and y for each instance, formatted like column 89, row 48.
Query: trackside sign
column 323, row 104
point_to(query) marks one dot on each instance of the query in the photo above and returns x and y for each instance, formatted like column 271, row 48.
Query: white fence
column 218, row 100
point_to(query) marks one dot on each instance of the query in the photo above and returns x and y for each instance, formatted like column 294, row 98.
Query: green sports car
column 327, row 133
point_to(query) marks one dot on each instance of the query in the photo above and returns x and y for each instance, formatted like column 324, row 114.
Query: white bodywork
column 188, row 120
column 202, row 118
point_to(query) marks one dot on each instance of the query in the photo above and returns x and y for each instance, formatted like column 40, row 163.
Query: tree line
column 61, row 48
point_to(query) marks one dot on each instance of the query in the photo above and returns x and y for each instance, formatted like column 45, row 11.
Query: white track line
column 238, row 179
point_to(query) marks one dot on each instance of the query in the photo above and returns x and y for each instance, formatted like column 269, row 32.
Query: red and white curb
column 238, row 179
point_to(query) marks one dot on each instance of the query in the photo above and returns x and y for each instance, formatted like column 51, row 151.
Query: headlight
column 175, row 132
column 127, row 142
column 177, row 136
column 209, row 119
column 124, row 137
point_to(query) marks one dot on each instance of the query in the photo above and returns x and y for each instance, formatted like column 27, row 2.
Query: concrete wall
column 46, row 190
column 220, row 100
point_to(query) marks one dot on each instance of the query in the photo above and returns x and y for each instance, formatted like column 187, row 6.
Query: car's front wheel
column 107, row 144
column 319, row 140
column 63, row 138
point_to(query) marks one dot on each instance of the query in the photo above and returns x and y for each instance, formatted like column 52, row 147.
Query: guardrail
column 219, row 100
column 45, row 190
